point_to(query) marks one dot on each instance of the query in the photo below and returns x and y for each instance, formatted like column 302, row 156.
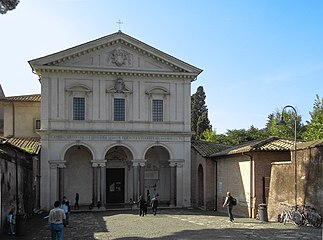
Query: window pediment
column 79, row 88
column 158, row 91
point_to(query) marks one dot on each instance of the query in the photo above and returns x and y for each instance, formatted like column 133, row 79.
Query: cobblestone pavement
column 167, row 224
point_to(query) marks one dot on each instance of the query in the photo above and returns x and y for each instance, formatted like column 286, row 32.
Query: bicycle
column 300, row 216
column 312, row 217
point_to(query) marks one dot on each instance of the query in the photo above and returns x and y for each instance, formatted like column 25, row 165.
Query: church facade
column 115, row 122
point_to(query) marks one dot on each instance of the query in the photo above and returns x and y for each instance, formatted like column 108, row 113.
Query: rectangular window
column 119, row 109
column 78, row 108
column 157, row 110
column 37, row 124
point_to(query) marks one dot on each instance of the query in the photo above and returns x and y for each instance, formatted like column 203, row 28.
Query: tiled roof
column 29, row 144
column 206, row 149
column 269, row 144
column 311, row 144
column 23, row 98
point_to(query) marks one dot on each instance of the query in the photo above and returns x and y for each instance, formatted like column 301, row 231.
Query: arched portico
column 119, row 175
column 159, row 175
column 78, row 174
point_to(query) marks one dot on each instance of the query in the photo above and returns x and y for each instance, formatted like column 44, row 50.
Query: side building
column 115, row 122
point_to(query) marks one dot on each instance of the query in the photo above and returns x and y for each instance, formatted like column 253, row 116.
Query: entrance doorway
column 115, row 185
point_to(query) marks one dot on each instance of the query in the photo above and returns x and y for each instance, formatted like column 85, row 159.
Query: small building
column 244, row 170
column 21, row 122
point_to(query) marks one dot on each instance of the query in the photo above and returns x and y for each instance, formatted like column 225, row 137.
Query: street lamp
column 282, row 122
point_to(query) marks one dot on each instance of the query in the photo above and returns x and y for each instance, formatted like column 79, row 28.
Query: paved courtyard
column 167, row 224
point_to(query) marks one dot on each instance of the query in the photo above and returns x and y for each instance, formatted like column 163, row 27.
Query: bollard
column 262, row 211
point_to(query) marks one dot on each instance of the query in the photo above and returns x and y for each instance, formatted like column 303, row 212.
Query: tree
column 7, row 5
column 314, row 127
column 287, row 130
column 199, row 113
column 235, row 136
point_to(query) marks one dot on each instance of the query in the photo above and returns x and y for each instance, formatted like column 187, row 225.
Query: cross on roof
column 119, row 22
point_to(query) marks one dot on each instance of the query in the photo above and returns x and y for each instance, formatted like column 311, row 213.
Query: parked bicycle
column 300, row 215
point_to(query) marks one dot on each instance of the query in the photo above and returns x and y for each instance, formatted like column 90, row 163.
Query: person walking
column 148, row 197
column 65, row 205
column 55, row 220
column 11, row 223
column 142, row 203
column 229, row 204
column 77, row 199
column 155, row 203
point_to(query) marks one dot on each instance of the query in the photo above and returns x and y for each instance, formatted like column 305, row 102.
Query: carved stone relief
column 119, row 57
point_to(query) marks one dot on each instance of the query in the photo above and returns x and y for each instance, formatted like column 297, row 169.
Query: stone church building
column 115, row 122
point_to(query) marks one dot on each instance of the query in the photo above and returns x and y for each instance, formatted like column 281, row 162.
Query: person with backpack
column 229, row 203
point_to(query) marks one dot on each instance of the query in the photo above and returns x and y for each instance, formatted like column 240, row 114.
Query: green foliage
column 235, row 136
column 199, row 113
column 209, row 135
column 287, row 130
column 28, row 149
column 314, row 128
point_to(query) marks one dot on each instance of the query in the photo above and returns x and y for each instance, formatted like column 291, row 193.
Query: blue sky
column 257, row 55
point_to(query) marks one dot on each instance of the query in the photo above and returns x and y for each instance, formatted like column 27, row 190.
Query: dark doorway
column 115, row 185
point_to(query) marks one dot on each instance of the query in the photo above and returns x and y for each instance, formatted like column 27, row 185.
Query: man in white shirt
column 56, row 218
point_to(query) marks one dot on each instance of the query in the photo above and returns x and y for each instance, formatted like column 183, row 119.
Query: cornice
column 115, row 72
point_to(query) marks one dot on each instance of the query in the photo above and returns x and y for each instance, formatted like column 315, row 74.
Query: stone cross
column 119, row 22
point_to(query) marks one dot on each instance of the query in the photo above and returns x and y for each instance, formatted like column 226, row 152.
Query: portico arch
column 78, row 174
column 119, row 175
column 157, row 175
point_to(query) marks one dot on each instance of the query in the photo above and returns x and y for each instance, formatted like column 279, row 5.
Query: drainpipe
column 13, row 119
column 251, row 199
column 216, row 187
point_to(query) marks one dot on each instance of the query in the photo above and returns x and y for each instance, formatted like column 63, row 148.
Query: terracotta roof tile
column 23, row 98
column 206, row 149
column 269, row 144
column 29, row 144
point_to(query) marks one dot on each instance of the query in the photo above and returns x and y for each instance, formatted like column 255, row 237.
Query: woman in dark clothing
column 142, row 205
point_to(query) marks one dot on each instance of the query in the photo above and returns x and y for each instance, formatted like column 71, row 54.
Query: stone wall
column 309, row 182
column 12, row 161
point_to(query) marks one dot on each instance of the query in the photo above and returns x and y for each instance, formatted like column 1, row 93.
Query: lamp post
column 282, row 122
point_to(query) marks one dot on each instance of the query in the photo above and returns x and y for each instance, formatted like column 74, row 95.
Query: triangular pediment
column 117, row 52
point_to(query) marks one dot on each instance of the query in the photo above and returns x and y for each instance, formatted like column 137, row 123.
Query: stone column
column 102, row 186
column 179, row 185
column 135, row 181
column 138, row 181
column 98, row 183
column 172, row 184
column 56, row 183
column 61, row 170
column 142, row 179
